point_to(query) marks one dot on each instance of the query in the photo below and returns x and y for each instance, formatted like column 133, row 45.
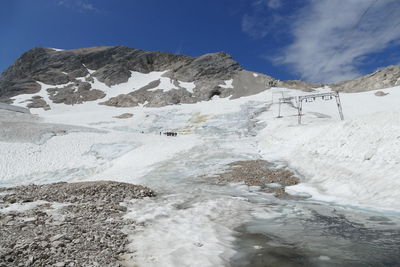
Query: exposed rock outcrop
column 380, row 93
column 299, row 85
column 124, row 116
column 216, row 66
column 384, row 78
column 38, row 102
column 75, row 93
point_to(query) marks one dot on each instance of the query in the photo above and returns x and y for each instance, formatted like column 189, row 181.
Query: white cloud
column 332, row 37
column 258, row 23
column 88, row 6
column 78, row 5
column 255, row 26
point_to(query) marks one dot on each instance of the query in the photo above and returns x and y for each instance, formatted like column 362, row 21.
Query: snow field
column 354, row 162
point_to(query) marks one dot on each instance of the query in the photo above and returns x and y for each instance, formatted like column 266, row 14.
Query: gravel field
column 66, row 224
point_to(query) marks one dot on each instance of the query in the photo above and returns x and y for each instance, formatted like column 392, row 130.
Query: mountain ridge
column 72, row 74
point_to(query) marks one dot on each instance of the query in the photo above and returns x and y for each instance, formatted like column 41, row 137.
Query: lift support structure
column 310, row 98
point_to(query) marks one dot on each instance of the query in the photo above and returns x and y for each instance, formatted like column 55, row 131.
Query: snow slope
column 355, row 162
column 132, row 150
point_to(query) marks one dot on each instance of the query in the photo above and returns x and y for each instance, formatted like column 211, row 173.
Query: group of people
column 169, row 133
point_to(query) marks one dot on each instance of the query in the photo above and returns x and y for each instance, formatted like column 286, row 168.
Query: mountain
column 96, row 185
column 71, row 76
column 384, row 78
column 125, row 77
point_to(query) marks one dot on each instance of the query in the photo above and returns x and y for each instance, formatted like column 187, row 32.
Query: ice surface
column 180, row 233
column 111, row 151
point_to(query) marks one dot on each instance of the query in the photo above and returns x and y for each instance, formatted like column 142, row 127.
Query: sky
column 313, row 40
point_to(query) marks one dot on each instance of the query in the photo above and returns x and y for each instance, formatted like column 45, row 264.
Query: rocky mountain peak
column 72, row 71
column 219, row 65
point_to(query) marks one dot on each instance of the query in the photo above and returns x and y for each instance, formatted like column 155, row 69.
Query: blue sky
column 313, row 40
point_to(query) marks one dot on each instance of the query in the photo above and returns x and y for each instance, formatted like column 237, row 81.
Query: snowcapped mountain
column 122, row 76
column 110, row 88
column 126, row 77
column 99, row 114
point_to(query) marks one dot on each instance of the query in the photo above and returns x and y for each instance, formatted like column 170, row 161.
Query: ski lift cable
column 351, row 34
column 383, row 36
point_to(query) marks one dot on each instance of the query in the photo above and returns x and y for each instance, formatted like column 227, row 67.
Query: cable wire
column 355, row 27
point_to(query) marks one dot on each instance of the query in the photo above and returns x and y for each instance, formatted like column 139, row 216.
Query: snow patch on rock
column 227, row 84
